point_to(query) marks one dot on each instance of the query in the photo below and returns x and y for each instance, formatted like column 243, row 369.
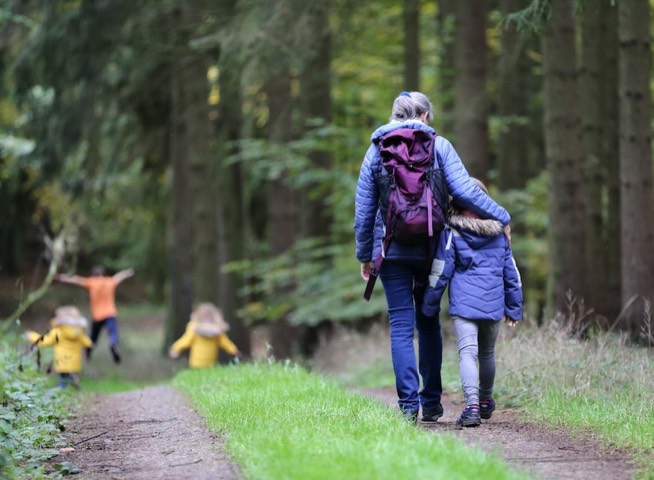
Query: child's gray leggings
column 476, row 342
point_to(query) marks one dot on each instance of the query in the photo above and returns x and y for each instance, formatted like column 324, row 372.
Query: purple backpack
column 413, row 193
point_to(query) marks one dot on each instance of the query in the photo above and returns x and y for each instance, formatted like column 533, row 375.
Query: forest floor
column 153, row 432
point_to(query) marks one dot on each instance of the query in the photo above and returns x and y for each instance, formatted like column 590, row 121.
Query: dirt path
column 151, row 433
column 543, row 452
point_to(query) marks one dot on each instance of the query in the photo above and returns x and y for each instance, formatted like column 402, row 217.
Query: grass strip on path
column 281, row 422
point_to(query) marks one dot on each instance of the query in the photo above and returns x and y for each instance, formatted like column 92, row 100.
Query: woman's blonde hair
column 412, row 106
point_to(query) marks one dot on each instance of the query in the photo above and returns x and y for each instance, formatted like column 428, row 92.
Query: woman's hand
column 366, row 269
column 507, row 233
column 510, row 322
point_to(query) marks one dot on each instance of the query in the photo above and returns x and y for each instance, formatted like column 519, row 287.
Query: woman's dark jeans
column 398, row 278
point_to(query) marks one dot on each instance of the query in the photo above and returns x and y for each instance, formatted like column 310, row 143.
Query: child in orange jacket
column 68, row 338
column 205, row 335
column 102, row 293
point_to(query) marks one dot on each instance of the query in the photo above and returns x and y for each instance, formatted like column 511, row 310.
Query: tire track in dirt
column 543, row 452
column 147, row 434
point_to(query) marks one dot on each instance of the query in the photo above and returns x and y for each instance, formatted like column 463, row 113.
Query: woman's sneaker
column 486, row 408
column 432, row 415
column 469, row 417
column 410, row 416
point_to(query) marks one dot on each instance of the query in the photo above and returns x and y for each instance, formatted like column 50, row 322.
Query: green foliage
column 31, row 416
column 87, row 136
column 280, row 422
column 532, row 17
column 314, row 287
column 95, row 167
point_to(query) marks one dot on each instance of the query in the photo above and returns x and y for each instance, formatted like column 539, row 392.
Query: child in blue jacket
column 474, row 257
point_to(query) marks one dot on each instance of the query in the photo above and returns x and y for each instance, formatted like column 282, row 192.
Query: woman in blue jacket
column 474, row 257
column 405, row 266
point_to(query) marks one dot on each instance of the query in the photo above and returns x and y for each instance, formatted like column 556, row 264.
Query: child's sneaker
column 469, row 417
column 486, row 408
column 432, row 415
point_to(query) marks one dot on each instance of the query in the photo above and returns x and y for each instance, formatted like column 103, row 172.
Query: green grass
column 281, row 422
column 599, row 387
column 110, row 385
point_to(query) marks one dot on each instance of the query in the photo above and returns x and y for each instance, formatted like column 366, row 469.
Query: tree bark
column 234, row 223
column 315, row 87
column 445, row 31
column 563, row 153
column 637, row 231
column 513, row 96
column 412, row 45
column 282, row 214
column 203, row 182
column 590, row 89
column 611, row 157
column 471, row 97
column 180, row 256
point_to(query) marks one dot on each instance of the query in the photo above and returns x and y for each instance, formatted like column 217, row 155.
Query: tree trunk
column 445, row 31
column 611, row 157
column 471, row 98
column 180, row 257
column 203, row 183
column 635, row 159
column 282, row 214
column 234, row 219
column 592, row 127
column 513, row 96
column 563, row 153
column 315, row 87
column 411, row 45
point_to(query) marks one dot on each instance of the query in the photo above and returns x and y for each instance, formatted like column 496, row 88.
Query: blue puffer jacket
column 368, row 225
column 474, row 257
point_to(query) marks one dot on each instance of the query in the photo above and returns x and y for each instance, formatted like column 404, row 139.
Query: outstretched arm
column 123, row 275
column 72, row 279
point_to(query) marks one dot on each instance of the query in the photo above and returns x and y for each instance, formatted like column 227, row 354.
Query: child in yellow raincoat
column 205, row 335
column 68, row 338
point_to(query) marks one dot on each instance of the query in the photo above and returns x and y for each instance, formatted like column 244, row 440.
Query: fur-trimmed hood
column 69, row 316
column 207, row 320
column 208, row 329
column 480, row 226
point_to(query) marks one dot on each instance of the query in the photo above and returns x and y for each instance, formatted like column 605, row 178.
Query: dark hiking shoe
column 411, row 416
column 486, row 408
column 469, row 417
column 432, row 415
column 115, row 353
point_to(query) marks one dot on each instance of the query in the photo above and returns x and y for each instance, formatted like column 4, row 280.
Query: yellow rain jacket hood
column 68, row 338
column 205, row 335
